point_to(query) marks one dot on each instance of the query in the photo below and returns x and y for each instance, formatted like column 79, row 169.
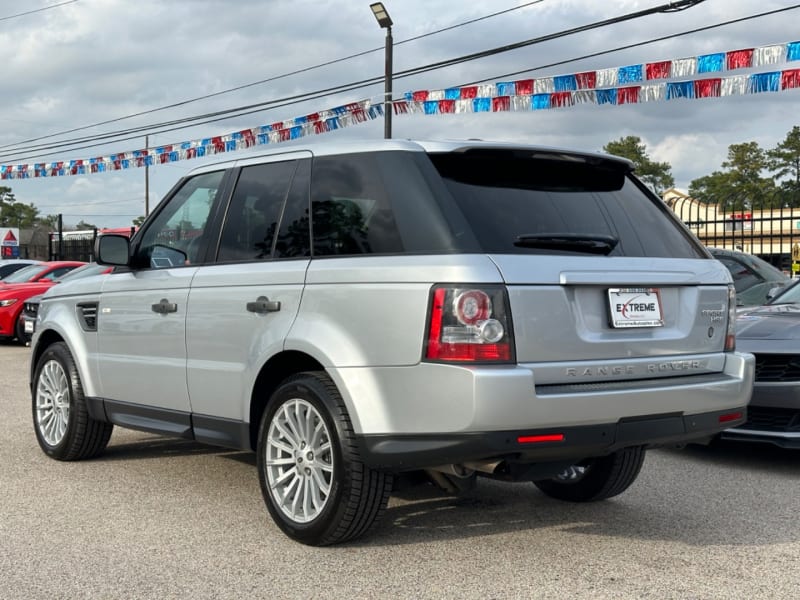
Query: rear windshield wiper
column 574, row 242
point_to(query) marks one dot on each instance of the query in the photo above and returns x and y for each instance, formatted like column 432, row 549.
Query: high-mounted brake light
column 469, row 324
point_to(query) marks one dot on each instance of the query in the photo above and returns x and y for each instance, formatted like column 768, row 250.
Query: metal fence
column 770, row 233
column 79, row 245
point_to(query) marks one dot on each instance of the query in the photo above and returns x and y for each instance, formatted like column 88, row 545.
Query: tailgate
column 573, row 309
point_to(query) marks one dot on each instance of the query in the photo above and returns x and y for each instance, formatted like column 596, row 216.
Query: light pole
column 385, row 21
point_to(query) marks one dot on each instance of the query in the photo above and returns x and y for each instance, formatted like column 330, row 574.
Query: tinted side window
column 504, row 195
column 174, row 237
column 255, row 210
column 350, row 208
column 56, row 273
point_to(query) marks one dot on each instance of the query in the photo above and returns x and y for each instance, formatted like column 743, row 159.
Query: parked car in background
column 772, row 333
column 9, row 266
column 34, row 280
column 30, row 308
column 41, row 270
column 755, row 280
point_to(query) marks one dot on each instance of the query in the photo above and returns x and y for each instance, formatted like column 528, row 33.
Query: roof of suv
column 327, row 148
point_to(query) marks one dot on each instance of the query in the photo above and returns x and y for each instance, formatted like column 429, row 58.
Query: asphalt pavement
column 165, row 518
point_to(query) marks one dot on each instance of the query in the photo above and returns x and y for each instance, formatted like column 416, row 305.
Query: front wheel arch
column 63, row 426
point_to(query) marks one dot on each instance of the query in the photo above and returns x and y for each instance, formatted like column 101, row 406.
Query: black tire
column 351, row 496
column 22, row 337
column 63, row 427
column 596, row 478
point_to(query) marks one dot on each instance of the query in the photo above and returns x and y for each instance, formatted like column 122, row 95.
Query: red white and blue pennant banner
column 646, row 82
column 283, row 131
column 620, row 85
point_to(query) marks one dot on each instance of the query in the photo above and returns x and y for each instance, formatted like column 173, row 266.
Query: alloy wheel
column 299, row 460
column 52, row 402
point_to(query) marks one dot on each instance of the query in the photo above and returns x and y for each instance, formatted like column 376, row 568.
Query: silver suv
column 353, row 311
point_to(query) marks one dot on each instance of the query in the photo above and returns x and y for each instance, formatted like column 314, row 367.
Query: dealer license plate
column 635, row 307
column 28, row 326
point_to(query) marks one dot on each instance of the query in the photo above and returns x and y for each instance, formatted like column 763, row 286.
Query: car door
column 241, row 308
column 142, row 313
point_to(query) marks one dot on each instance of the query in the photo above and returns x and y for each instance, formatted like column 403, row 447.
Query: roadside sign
column 9, row 242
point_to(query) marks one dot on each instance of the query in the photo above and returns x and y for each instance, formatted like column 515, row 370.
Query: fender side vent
column 87, row 315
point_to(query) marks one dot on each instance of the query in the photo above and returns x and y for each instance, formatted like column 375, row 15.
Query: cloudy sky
column 77, row 63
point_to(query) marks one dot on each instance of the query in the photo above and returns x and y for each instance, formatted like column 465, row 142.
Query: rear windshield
column 510, row 197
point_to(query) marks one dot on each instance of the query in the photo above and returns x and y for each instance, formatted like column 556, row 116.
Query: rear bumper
column 773, row 415
column 438, row 401
column 407, row 452
column 777, row 425
column 784, row 440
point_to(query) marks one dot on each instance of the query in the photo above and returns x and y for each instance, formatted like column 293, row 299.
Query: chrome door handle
column 263, row 305
column 164, row 307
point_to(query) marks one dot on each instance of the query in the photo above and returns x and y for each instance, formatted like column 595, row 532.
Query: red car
column 27, row 282
column 30, row 308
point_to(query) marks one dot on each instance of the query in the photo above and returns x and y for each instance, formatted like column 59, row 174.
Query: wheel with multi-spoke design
column 64, row 429
column 315, row 485
column 596, row 478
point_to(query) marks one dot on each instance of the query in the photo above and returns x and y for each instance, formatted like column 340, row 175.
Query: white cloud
column 97, row 60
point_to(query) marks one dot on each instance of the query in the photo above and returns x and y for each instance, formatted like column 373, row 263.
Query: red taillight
column 538, row 439
column 469, row 325
column 727, row 418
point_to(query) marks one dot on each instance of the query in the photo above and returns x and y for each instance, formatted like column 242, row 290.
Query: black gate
column 770, row 232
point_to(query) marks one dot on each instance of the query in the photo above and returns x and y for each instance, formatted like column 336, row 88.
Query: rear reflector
column 537, row 439
column 731, row 417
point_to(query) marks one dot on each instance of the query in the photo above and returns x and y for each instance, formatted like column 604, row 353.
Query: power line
column 636, row 44
column 269, row 79
column 216, row 116
column 30, row 12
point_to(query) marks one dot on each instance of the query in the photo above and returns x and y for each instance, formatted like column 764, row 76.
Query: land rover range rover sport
column 350, row 311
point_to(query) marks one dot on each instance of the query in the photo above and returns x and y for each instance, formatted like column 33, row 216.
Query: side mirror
column 774, row 291
column 112, row 249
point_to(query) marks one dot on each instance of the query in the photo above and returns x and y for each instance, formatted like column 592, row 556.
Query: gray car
column 755, row 280
column 772, row 334
column 350, row 311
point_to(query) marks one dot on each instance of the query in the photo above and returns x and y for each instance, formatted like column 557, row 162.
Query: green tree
column 137, row 222
column 84, row 225
column 14, row 213
column 740, row 186
column 717, row 188
column 784, row 162
column 657, row 175
column 49, row 221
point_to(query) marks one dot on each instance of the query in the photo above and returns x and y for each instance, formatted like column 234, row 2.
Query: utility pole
column 385, row 22
column 147, row 177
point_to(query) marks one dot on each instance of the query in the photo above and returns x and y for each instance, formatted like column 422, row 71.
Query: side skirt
column 215, row 431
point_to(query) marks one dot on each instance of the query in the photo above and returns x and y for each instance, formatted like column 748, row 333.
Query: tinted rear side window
column 508, row 194
column 350, row 210
column 255, row 210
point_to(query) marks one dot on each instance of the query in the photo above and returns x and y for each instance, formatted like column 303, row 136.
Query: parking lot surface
column 165, row 518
